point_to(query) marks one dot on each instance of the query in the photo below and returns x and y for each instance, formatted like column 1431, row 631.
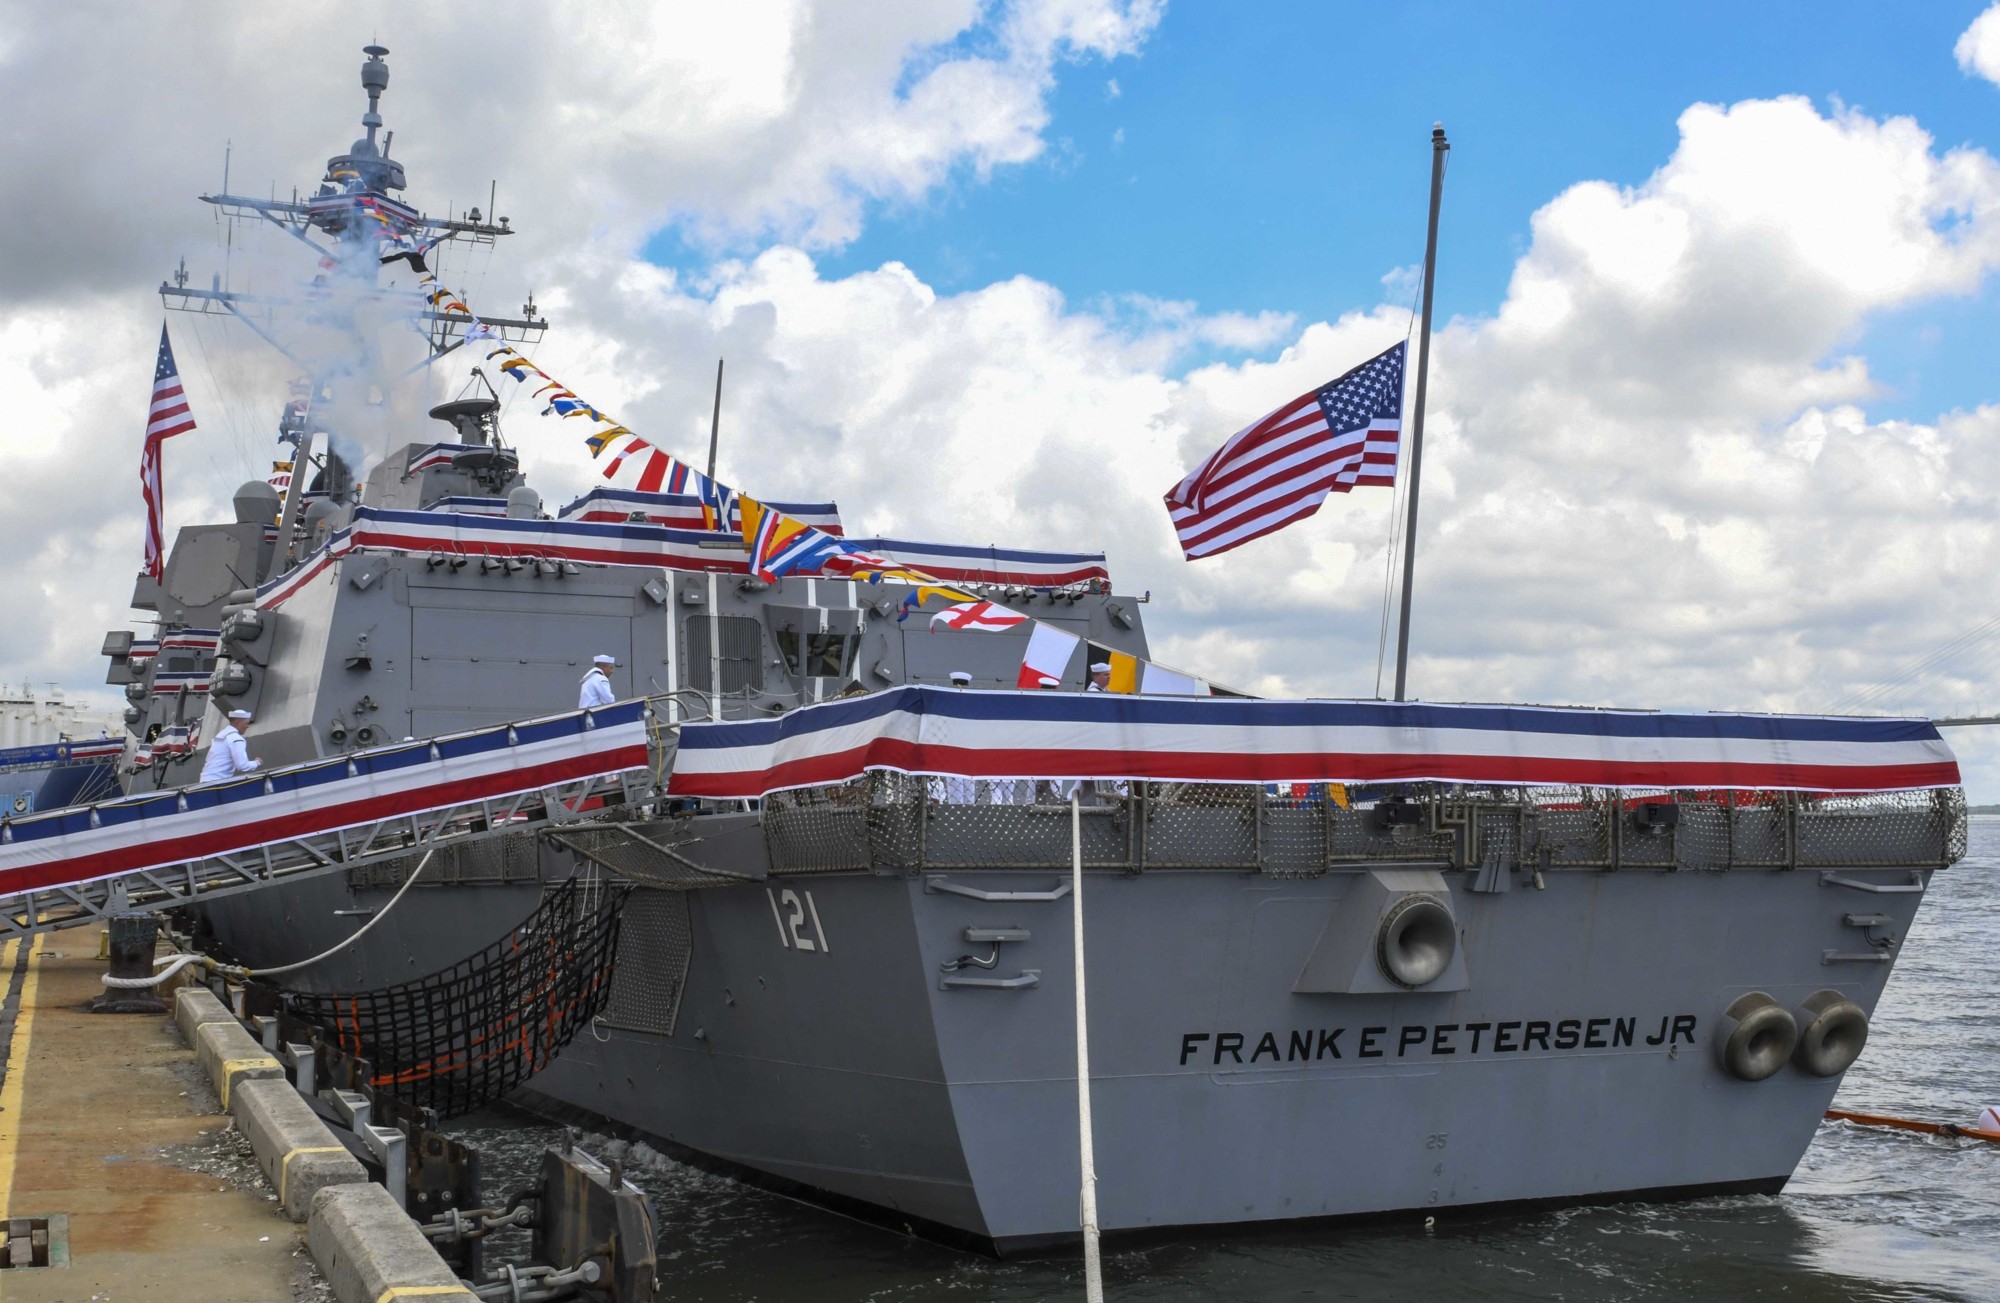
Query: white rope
column 170, row 964
column 342, row 945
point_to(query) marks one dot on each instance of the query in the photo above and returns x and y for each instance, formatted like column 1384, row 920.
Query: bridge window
column 817, row 655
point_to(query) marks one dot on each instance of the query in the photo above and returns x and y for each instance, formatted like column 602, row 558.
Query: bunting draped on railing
column 972, row 734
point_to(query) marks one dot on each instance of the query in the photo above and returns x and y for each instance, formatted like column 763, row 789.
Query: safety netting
column 463, row 1037
column 890, row 820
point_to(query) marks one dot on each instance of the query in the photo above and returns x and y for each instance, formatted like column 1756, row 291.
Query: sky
column 1713, row 423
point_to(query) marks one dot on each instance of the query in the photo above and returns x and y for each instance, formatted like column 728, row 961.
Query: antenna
column 715, row 420
column 374, row 80
column 229, row 232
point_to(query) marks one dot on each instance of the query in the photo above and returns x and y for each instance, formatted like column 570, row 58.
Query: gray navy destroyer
column 1308, row 999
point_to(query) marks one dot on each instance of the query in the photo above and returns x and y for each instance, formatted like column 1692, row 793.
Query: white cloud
column 1978, row 48
column 766, row 119
column 604, row 123
column 1652, row 476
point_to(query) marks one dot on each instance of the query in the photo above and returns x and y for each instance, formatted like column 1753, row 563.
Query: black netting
column 464, row 1037
column 896, row 821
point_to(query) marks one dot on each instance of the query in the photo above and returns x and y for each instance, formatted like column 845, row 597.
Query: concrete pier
column 108, row 1120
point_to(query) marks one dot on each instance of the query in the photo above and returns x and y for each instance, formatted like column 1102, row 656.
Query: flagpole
column 1439, row 147
column 1093, row 1263
column 715, row 420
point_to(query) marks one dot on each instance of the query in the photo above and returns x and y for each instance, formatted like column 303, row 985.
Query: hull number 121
column 798, row 920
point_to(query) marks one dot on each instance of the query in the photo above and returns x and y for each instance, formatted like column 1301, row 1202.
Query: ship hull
column 815, row 1041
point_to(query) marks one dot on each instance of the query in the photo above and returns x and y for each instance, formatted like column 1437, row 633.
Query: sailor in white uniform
column 1100, row 677
column 597, row 683
column 228, row 757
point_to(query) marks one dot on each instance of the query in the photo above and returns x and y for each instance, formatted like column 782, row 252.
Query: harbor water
column 1870, row 1215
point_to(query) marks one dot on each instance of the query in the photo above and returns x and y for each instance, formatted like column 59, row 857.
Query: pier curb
column 228, row 1055
column 299, row 1155
column 369, row 1249
column 195, row 1006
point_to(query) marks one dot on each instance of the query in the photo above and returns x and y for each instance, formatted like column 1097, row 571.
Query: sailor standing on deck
column 228, row 756
column 597, row 683
column 1100, row 677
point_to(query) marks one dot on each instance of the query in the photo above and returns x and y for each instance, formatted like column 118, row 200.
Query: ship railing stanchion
column 1093, row 1267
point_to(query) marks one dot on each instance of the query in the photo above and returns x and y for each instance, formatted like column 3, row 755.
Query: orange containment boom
column 1911, row 1124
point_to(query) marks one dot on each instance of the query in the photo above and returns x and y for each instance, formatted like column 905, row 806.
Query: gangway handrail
column 72, row 865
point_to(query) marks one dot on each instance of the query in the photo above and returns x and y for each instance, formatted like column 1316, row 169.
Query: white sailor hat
column 1049, row 681
column 239, row 714
column 1101, row 667
column 960, row 677
column 604, row 658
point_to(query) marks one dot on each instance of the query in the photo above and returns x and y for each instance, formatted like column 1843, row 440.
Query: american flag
column 167, row 417
column 1280, row 468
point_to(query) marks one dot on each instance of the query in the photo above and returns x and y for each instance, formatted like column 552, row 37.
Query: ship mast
column 346, row 224
column 1439, row 148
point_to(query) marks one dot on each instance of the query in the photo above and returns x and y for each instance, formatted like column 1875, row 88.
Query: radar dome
column 256, row 503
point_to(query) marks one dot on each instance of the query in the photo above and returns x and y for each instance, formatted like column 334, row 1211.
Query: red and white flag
column 1049, row 652
column 1279, row 469
column 167, row 417
column 977, row 615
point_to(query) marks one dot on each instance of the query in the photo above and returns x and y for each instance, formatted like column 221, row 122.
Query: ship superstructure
column 848, row 977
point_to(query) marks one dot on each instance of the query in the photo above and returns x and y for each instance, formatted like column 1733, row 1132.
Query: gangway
column 78, row 864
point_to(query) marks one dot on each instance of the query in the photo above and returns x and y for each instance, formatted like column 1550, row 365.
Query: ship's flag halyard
column 781, row 544
column 664, row 474
column 658, row 472
column 778, row 544
column 167, row 417
column 1281, row 467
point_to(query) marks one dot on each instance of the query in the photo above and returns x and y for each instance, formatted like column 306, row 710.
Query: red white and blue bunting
column 683, row 510
column 162, row 829
column 923, row 730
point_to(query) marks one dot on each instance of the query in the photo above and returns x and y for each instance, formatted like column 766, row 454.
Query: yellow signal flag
column 1124, row 673
column 927, row 591
column 1337, row 793
column 752, row 516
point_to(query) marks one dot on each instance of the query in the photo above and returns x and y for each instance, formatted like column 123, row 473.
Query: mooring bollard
column 132, row 939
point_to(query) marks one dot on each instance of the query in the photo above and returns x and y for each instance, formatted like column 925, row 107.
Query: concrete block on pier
column 196, row 1005
column 299, row 1155
column 229, row 1056
column 368, row 1249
